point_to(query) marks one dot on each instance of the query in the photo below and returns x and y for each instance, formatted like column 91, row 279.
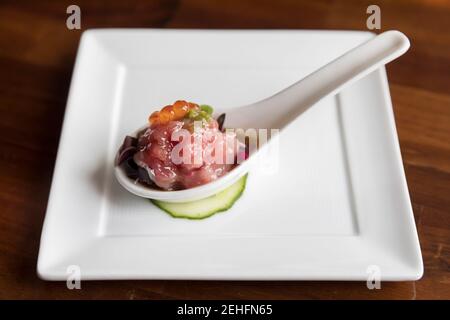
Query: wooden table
column 37, row 53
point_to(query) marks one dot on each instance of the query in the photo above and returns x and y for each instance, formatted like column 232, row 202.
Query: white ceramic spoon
column 281, row 109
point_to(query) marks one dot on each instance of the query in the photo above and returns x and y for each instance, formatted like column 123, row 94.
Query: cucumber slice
column 203, row 208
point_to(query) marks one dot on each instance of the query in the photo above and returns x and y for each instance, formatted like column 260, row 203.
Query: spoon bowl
column 281, row 109
column 190, row 194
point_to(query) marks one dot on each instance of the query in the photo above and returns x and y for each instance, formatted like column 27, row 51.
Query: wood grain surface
column 37, row 53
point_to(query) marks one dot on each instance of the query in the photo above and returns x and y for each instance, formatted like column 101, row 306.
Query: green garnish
column 204, row 114
column 192, row 114
column 204, row 208
column 206, row 108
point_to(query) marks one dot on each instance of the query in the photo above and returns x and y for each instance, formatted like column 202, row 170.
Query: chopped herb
column 192, row 114
column 206, row 108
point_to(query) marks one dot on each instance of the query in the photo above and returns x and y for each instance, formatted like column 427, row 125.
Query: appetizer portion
column 182, row 147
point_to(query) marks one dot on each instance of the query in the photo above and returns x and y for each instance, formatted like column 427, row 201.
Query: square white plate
column 337, row 209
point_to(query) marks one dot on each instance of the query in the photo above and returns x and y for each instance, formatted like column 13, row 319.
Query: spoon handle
column 282, row 108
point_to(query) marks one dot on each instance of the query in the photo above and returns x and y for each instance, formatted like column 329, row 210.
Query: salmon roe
column 174, row 112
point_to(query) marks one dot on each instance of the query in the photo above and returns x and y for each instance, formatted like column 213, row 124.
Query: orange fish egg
column 174, row 112
column 180, row 109
column 166, row 114
column 154, row 117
